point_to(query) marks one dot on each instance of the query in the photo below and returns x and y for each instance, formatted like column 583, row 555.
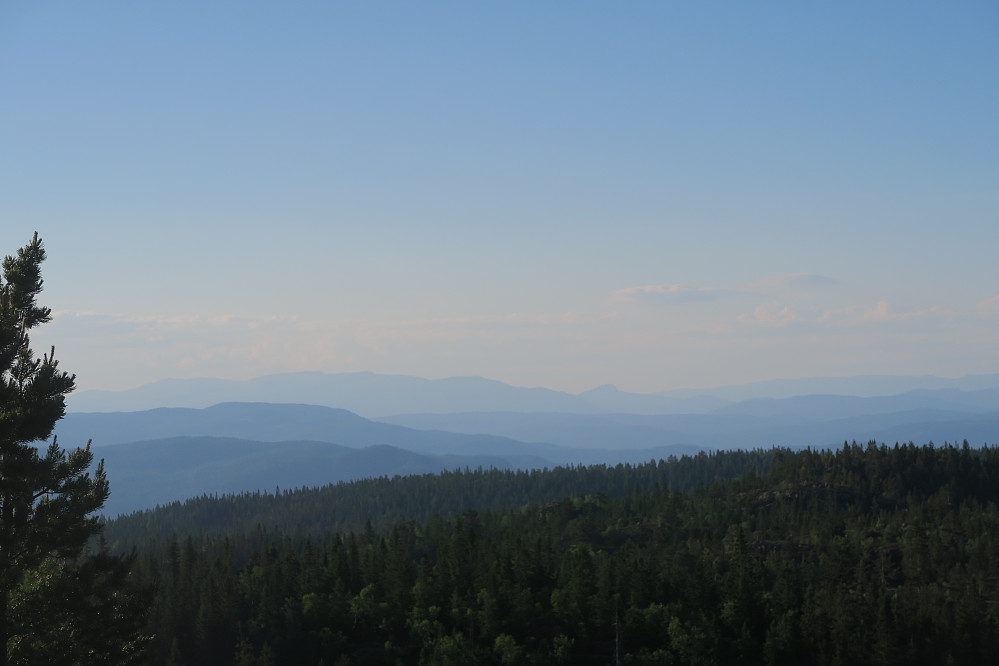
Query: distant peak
column 603, row 388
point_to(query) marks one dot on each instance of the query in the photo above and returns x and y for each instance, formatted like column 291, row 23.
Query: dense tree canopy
column 864, row 555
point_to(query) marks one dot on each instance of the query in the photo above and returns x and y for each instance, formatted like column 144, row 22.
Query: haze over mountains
column 251, row 446
column 373, row 395
column 304, row 429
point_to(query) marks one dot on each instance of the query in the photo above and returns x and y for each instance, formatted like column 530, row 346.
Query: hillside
column 157, row 472
column 865, row 555
column 382, row 501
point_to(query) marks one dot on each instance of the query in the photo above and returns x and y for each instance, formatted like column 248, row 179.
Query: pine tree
column 46, row 501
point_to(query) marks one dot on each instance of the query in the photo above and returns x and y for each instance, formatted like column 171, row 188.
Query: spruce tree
column 46, row 500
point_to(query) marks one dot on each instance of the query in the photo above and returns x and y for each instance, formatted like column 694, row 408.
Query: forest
column 868, row 554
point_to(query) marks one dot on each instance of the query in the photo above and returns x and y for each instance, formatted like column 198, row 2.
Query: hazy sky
column 564, row 194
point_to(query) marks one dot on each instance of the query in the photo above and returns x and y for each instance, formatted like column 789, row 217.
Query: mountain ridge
column 373, row 395
column 160, row 471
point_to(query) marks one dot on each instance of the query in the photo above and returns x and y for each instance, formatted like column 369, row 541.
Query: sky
column 656, row 195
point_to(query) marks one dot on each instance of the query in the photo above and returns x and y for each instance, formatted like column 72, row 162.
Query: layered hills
column 171, row 453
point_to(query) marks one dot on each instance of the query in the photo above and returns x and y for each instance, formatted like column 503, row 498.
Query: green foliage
column 56, row 605
column 67, row 613
column 865, row 555
column 382, row 502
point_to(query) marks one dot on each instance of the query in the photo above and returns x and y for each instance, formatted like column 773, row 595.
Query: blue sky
column 655, row 195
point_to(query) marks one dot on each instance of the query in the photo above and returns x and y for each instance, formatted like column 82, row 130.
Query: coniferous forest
column 869, row 554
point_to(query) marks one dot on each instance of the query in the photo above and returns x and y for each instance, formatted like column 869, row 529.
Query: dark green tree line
column 864, row 555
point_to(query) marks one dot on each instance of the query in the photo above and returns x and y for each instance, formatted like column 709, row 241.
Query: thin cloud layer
column 791, row 281
column 240, row 347
column 780, row 335
column 878, row 314
column 770, row 315
column 674, row 293
column 989, row 307
column 678, row 293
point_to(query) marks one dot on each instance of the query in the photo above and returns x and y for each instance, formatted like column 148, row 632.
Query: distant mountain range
column 267, row 422
column 363, row 393
column 374, row 395
column 170, row 453
column 718, row 431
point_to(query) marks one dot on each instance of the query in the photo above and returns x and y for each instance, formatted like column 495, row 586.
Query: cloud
column 772, row 315
column 989, row 307
column 877, row 314
column 676, row 292
column 791, row 281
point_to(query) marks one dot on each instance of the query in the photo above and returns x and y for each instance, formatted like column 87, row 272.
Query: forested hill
column 864, row 555
column 380, row 503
